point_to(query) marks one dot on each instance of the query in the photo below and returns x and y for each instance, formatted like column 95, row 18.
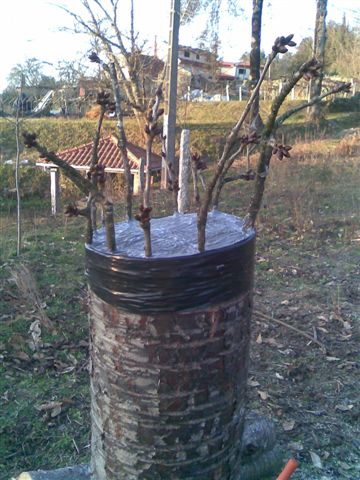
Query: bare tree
column 319, row 54
column 100, row 19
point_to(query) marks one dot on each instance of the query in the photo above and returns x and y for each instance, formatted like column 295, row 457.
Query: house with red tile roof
column 109, row 156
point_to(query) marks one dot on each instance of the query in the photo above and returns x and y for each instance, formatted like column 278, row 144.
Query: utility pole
column 171, row 89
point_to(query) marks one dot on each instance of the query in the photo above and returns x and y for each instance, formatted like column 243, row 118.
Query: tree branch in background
column 197, row 166
column 319, row 54
column 173, row 182
column 112, row 41
column 255, row 54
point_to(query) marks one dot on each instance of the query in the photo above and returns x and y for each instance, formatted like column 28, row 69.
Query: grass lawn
column 307, row 277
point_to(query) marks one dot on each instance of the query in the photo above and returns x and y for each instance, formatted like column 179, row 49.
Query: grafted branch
column 83, row 184
column 279, row 47
column 273, row 122
column 342, row 87
column 111, row 70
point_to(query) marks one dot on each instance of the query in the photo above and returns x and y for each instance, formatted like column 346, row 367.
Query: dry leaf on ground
column 316, row 460
column 288, row 425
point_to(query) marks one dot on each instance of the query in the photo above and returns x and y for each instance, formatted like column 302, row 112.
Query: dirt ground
column 310, row 390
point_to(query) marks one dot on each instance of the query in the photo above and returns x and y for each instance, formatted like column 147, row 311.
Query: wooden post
column 184, row 172
column 240, row 93
column 142, row 175
column 55, row 190
column 136, row 183
column 227, row 92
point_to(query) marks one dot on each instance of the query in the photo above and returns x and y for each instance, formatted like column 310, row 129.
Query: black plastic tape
column 154, row 285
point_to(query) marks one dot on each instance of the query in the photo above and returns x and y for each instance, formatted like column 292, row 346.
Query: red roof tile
column 109, row 155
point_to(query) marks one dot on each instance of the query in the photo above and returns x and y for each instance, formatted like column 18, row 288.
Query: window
column 197, row 56
column 187, row 54
column 241, row 71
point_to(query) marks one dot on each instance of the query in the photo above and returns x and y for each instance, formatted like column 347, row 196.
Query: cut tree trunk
column 169, row 366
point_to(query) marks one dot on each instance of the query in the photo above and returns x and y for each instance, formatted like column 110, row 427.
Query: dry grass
column 27, row 287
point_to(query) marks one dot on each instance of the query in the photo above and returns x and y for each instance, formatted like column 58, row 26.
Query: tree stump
column 168, row 379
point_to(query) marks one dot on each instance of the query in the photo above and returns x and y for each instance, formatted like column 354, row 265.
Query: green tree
column 342, row 56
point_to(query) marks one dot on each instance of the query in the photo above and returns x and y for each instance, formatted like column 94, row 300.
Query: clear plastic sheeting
column 174, row 236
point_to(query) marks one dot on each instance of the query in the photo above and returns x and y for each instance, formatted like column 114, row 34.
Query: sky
column 34, row 28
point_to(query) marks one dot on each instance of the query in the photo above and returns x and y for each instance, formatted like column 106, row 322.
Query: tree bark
column 255, row 53
column 319, row 54
column 168, row 391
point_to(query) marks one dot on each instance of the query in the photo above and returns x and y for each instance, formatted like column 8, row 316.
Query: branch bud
column 281, row 43
column 281, row 151
column 94, row 58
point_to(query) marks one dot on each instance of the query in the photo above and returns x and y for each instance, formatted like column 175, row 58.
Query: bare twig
column 265, row 317
column 342, row 87
column 102, row 100
column 17, row 170
column 144, row 219
column 111, row 70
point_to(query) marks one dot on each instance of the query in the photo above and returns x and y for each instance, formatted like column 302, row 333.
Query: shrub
column 33, row 182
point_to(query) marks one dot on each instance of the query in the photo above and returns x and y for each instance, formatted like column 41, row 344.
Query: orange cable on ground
column 289, row 469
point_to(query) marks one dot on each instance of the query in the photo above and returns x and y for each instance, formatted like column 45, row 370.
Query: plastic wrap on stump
column 155, row 285
column 169, row 361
